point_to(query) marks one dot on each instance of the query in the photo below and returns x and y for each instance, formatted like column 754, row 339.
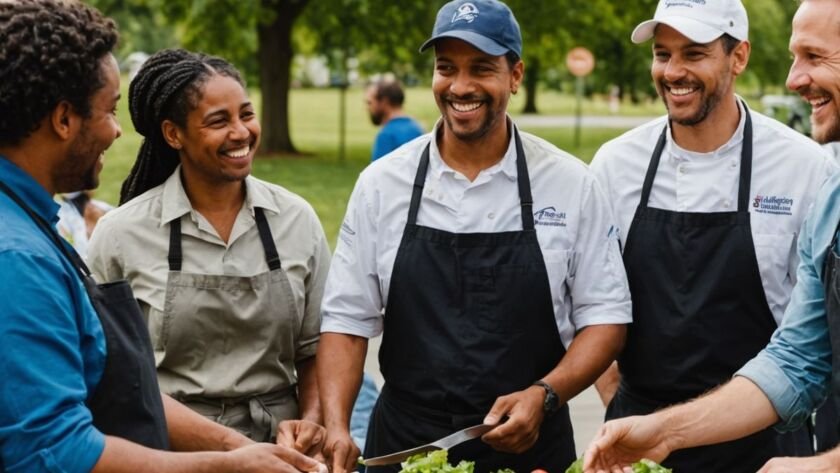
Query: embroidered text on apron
column 126, row 403
column 699, row 313
column 469, row 318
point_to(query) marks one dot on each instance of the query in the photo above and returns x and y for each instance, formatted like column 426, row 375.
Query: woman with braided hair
column 228, row 269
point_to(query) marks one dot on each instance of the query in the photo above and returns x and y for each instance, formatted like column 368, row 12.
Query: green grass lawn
column 317, row 174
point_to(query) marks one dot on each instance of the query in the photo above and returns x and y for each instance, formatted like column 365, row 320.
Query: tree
column 256, row 35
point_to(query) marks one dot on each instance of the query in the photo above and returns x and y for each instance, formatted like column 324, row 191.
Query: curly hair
column 50, row 51
column 167, row 87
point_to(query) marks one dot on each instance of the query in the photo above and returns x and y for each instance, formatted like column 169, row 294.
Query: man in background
column 384, row 100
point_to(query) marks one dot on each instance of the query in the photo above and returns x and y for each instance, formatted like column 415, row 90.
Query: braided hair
column 50, row 51
column 167, row 87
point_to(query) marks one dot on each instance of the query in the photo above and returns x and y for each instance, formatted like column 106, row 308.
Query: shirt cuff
column 783, row 395
column 72, row 455
column 614, row 314
column 334, row 324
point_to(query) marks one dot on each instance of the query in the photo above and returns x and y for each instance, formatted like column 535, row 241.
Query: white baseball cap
column 701, row 21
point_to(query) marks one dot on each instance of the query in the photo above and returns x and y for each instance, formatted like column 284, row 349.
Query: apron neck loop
column 746, row 165
column 176, row 256
column 526, row 201
column 68, row 251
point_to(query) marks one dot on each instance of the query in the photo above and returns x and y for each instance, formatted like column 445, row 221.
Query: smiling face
column 815, row 73
column 472, row 89
column 80, row 171
column 693, row 78
column 221, row 135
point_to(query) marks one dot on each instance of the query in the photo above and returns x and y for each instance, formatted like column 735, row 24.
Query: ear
column 64, row 121
column 516, row 75
column 172, row 134
column 740, row 57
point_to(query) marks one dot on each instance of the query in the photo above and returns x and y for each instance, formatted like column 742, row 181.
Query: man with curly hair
column 79, row 391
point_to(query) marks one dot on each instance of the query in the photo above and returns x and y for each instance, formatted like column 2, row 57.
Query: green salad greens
column 642, row 466
column 437, row 462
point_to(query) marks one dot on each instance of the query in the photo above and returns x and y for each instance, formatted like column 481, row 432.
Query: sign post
column 580, row 62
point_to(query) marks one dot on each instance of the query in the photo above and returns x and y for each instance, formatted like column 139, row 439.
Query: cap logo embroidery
column 467, row 12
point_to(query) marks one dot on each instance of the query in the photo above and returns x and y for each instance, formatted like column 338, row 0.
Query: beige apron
column 226, row 347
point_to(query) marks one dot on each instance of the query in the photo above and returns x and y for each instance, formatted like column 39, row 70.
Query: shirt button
column 727, row 204
column 491, row 215
column 734, row 164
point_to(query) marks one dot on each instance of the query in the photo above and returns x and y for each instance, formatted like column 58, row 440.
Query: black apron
column 127, row 402
column 699, row 313
column 827, row 419
column 469, row 318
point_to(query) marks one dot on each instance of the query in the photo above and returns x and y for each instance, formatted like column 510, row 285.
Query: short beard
column 376, row 118
column 483, row 129
column 828, row 134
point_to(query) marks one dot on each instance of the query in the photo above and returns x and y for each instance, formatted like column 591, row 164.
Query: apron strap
column 746, row 165
column 526, row 201
column 652, row 167
column 64, row 247
column 271, row 256
column 176, row 256
column 419, row 183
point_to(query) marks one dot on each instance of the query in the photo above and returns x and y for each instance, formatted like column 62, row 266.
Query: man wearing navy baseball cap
column 487, row 260
column 709, row 200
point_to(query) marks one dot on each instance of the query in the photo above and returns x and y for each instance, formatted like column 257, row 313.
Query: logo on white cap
column 467, row 12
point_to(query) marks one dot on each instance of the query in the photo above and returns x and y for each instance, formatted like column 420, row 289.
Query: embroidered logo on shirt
column 467, row 12
column 550, row 217
column 771, row 204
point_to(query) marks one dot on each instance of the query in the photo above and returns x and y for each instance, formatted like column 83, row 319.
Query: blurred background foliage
column 356, row 39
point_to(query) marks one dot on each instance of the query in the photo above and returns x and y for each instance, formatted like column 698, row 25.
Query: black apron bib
column 827, row 419
column 127, row 402
column 699, row 313
column 469, row 318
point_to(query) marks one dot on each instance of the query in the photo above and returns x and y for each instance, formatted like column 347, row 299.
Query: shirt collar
column 507, row 165
column 29, row 190
column 735, row 140
column 176, row 203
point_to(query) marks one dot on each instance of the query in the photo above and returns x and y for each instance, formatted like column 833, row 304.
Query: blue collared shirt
column 794, row 370
column 53, row 344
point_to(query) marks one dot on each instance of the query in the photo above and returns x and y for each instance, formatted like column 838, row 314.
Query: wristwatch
column 552, row 401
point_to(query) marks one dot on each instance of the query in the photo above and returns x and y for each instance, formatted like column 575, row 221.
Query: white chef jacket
column 787, row 171
column 573, row 221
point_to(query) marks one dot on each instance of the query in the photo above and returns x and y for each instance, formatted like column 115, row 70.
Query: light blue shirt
column 52, row 341
column 794, row 370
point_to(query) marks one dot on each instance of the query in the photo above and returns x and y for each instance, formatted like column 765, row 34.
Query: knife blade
column 444, row 443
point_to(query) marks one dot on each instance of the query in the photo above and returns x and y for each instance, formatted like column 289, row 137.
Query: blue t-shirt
column 395, row 133
column 52, row 341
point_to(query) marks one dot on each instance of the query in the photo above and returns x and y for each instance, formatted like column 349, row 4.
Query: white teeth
column 238, row 153
column 466, row 107
column 681, row 91
column 816, row 102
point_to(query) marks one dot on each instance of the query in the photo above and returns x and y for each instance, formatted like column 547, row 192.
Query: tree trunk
column 275, row 61
column 532, row 76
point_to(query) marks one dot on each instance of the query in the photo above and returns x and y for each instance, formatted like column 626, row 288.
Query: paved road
column 586, row 409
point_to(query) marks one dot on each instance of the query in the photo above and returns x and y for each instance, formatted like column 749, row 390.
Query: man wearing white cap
column 709, row 200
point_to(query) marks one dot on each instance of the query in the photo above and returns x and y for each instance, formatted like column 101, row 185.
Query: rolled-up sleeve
column 597, row 280
column 352, row 300
column 44, row 423
column 795, row 368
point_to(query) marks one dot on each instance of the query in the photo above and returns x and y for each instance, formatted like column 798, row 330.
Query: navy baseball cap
column 489, row 25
